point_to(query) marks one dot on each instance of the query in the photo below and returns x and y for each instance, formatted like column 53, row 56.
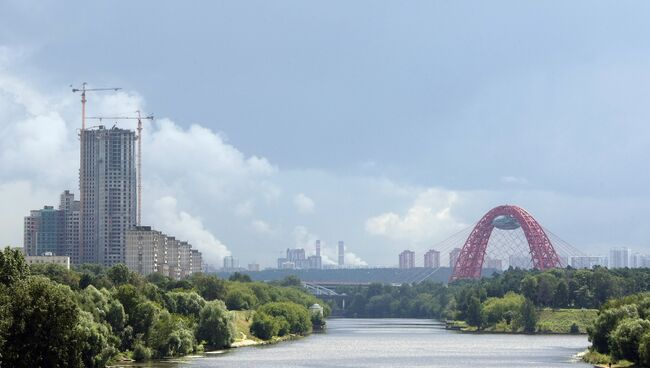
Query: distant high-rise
column 407, row 259
column 341, row 253
column 318, row 248
column 70, row 209
column 230, row 263
column 453, row 257
column 521, row 262
column 619, row 257
column 493, row 263
column 148, row 251
column 107, row 182
column 587, row 261
column 432, row 259
column 44, row 232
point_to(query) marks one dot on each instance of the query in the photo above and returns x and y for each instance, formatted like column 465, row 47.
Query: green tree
column 625, row 339
column 295, row 315
column 599, row 332
column 644, row 350
column 529, row 316
column 93, row 341
column 12, row 266
column 170, row 336
column 216, row 326
column 240, row 277
column 264, row 326
column 561, row 295
column 291, row 280
column 240, row 299
column 43, row 317
column 529, row 287
column 209, row 287
column 474, row 317
column 119, row 274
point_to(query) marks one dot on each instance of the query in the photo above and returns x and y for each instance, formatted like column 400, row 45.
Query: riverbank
column 550, row 321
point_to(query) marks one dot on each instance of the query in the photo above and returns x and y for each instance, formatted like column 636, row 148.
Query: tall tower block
column 318, row 248
column 107, row 181
column 341, row 253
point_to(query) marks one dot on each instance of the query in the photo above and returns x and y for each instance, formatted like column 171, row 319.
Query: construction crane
column 138, row 137
column 82, row 178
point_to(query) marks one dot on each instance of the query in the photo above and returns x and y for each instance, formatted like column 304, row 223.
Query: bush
column 264, row 326
column 626, row 338
column 241, row 299
column 574, row 329
column 216, row 326
column 296, row 317
column 141, row 352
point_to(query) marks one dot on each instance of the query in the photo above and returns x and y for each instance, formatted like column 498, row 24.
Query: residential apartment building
column 407, row 259
column 148, row 251
column 107, row 185
column 432, row 259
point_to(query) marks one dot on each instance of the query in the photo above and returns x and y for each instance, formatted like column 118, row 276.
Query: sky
column 388, row 125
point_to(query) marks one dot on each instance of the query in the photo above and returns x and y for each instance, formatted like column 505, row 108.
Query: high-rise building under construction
column 107, row 186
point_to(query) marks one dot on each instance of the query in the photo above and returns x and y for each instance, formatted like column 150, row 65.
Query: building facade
column 407, row 259
column 619, row 257
column 148, row 251
column 107, row 183
column 432, row 259
column 341, row 253
column 70, row 208
column 453, row 257
column 587, row 261
column 48, row 259
column 44, row 232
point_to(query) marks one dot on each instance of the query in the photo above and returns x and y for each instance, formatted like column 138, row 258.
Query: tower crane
column 82, row 178
column 139, row 118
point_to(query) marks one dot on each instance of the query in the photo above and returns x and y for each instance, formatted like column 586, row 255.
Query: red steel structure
column 470, row 260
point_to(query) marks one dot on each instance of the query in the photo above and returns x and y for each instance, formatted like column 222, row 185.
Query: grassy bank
column 550, row 321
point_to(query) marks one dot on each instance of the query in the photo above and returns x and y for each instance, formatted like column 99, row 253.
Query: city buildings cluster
column 101, row 226
column 618, row 258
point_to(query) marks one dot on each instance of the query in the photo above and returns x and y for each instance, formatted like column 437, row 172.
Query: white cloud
column 303, row 203
column 245, row 209
column 514, row 180
column 428, row 218
column 172, row 221
column 262, row 227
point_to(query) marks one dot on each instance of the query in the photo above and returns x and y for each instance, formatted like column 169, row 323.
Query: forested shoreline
column 92, row 315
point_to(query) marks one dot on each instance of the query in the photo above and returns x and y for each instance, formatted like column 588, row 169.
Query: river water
column 399, row 343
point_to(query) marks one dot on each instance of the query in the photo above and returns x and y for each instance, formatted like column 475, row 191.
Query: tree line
column 92, row 315
column 512, row 298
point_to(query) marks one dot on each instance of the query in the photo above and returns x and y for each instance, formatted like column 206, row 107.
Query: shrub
column 141, row 352
column 296, row 316
column 264, row 326
column 216, row 326
column 574, row 329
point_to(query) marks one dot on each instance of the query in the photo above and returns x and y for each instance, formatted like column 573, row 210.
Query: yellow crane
column 82, row 183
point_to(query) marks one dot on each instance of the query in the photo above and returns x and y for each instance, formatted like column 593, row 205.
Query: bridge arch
column 470, row 260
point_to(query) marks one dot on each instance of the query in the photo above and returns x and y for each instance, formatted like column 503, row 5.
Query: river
column 380, row 343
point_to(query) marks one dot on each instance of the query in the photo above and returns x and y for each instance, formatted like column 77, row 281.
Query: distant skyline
column 388, row 125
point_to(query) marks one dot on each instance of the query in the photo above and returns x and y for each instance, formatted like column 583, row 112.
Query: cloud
column 303, row 203
column 174, row 222
column 245, row 209
column 428, row 218
column 262, row 227
column 514, row 180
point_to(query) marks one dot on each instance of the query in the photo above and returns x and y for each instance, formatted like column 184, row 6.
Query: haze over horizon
column 388, row 126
